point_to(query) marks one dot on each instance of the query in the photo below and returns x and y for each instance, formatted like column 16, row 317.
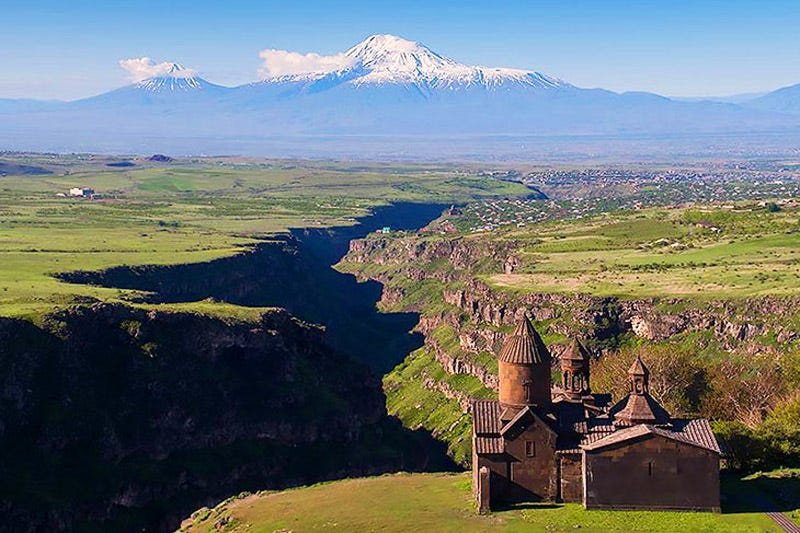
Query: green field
column 443, row 503
column 659, row 253
column 187, row 211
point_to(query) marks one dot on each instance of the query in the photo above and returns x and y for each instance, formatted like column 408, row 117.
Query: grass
column 442, row 503
column 191, row 211
column 410, row 397
column 658, row 253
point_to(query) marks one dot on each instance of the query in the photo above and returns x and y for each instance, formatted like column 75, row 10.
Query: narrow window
column 530, row 448
column 650, row 469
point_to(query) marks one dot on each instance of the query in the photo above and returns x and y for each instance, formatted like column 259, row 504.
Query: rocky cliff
column 120, row 418
column 464, row 320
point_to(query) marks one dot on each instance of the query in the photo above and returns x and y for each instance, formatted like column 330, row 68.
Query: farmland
column 182, row 212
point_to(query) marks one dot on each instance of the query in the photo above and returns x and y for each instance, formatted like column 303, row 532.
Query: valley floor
column 443, row 503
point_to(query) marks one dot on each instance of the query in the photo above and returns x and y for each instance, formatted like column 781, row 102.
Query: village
column 563, row 195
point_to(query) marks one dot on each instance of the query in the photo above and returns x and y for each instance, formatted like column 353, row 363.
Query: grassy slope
column 179, row 215
column 418, row 406
column 443, row 503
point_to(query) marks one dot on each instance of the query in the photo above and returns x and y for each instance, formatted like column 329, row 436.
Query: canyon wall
column 464, row 321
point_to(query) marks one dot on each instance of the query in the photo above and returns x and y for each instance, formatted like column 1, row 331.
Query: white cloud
column 283, row 62
column 141, row 68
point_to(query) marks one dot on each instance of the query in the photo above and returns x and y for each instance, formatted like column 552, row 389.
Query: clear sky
column 71, row 48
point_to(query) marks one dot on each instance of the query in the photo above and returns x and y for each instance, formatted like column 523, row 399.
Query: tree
column 745, row 391
column 677, row 380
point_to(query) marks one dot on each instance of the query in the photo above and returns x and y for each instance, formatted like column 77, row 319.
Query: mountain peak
column 168, row 82
column 174, row 78
column 387, row 44
column 384, row 58
column 178, row 70
column 392, row 57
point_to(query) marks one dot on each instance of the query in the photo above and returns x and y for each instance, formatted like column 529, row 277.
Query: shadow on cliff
column 295, row 273
column 119, row 419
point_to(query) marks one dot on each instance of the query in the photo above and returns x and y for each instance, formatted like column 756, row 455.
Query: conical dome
column 638, row 368
column 524, row 346
column 576, row 352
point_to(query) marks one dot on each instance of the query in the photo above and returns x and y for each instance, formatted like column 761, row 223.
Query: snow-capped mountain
column 176, row 79
column 384, row 86
column 176, row 87
column 390, row 60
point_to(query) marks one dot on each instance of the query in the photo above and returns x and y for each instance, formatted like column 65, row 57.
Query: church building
column 539, row 443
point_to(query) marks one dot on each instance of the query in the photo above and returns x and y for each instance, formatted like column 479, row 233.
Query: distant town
column 560, row 194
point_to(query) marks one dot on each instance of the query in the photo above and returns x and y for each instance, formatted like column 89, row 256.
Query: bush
column 774, row 443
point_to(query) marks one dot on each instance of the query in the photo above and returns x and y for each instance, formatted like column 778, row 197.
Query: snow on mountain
column 383, row 86
column 387, row 59
column 176, row 78
column 173, row 85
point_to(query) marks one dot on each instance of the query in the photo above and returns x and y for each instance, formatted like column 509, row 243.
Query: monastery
column 534, row 444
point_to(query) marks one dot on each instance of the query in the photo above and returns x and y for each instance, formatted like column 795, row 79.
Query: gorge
column 130, row 416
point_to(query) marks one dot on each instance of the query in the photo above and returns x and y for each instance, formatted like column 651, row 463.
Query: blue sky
column 69, row 49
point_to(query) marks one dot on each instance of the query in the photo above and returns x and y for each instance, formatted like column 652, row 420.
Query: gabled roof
column 486, row 417
column 489, row 445
column 639, row 409
column 699, row 435
column 697, row 430
column 524, row 346
column 526, row 414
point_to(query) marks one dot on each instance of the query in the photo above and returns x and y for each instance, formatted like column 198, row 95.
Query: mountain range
column 383, row 86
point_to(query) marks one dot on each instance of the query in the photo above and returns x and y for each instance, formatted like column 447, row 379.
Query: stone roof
column 486, row 417
column 638, row 368
column 639, row 409
column 592, row 431
column 489, row 445
column 519, row 417
column 524, row 346
column 697, row 430
column 576, row 432
column 694, row 432
column 576, row 352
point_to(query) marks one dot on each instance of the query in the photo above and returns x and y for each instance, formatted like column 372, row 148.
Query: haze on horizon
column 54, row 50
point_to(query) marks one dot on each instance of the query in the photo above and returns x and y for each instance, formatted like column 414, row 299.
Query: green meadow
column 406, row 503
column 187, row 211
column 710, row 253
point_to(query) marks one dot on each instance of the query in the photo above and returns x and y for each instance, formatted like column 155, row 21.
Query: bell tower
column 524, row 368
column 575, row 372
column 639, row 407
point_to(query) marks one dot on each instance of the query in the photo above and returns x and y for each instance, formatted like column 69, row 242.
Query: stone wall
column 652, row 472
column 571, row 477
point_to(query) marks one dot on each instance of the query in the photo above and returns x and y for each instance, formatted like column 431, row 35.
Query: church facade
column 570, row 445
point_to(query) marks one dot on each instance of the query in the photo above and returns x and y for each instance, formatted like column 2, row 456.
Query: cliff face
column 289, row 273
column 118, row 418
column 464, row 320
column 731, row 321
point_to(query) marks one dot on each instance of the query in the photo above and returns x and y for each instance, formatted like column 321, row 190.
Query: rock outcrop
column 464, row 319
column 118, row 418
